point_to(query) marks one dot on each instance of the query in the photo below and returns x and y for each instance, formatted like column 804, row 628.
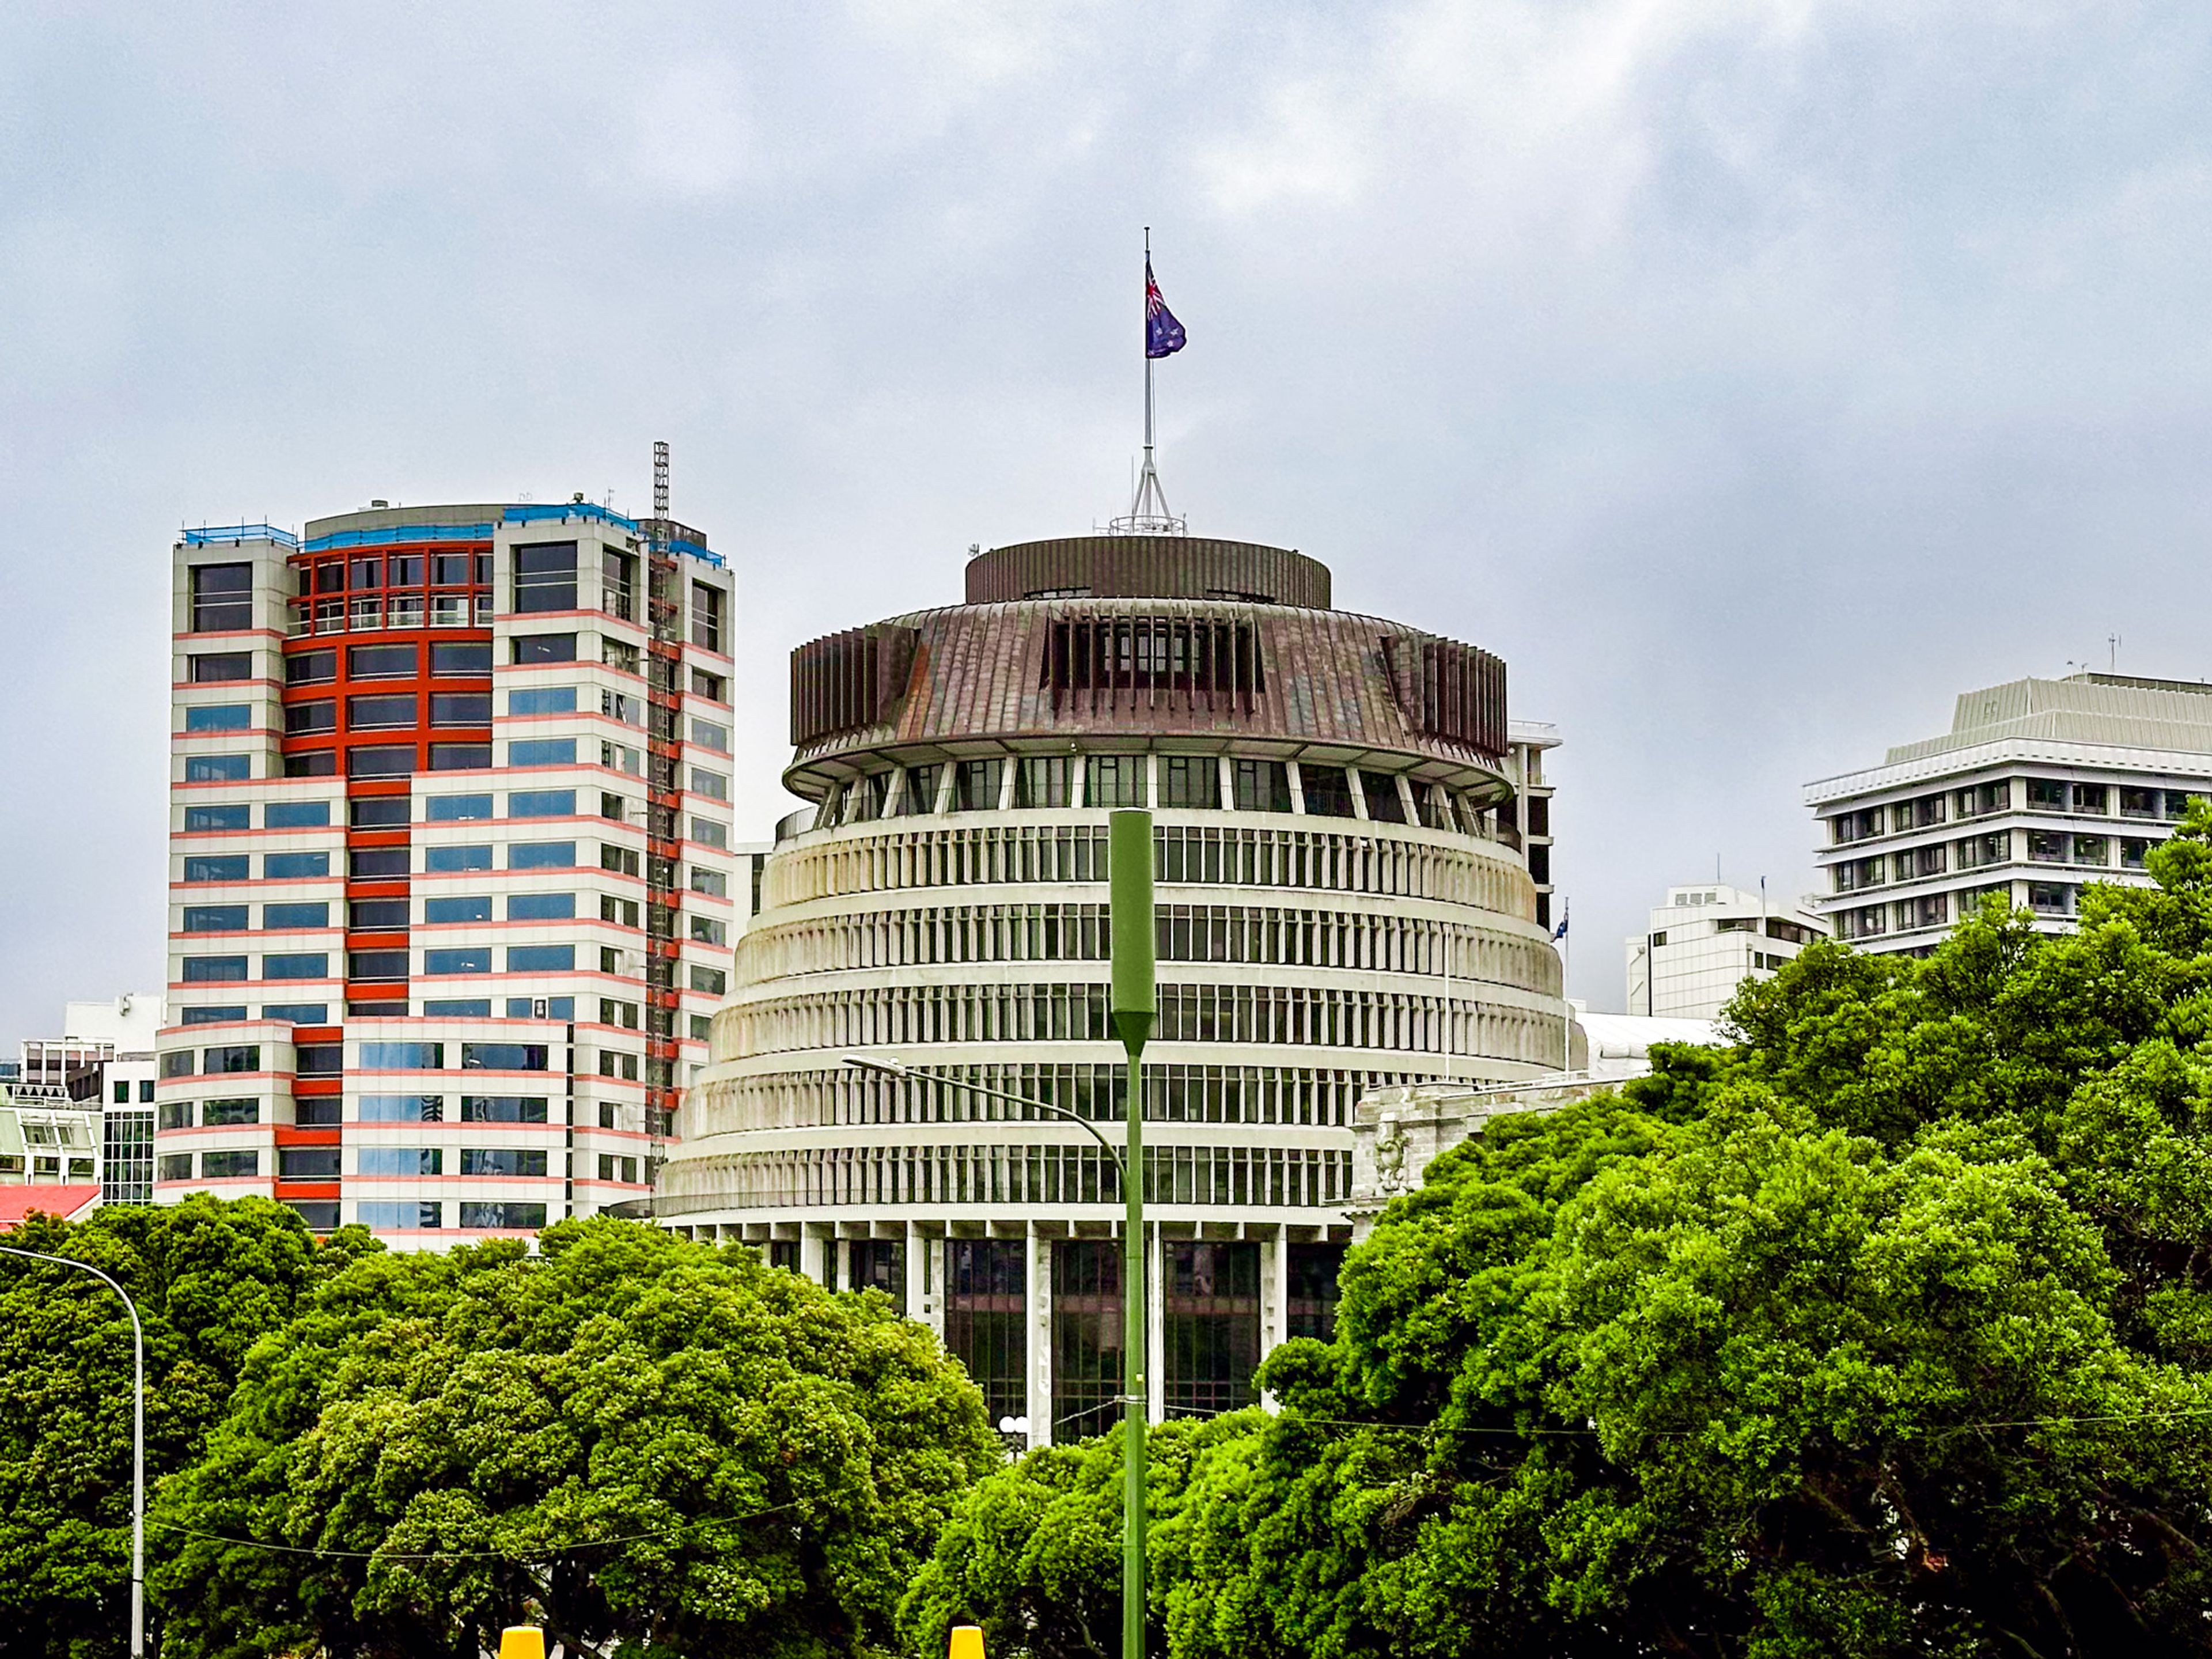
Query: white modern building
column 2039, row 787
column 451, row 900
column 106, row 1055
column 1344, row 824
column 1704, row 942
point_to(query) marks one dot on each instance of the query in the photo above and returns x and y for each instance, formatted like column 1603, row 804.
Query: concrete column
column 921, row 1302
column 1038, row 1278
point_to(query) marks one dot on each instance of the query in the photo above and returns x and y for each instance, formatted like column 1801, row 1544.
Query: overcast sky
column 1754, row 378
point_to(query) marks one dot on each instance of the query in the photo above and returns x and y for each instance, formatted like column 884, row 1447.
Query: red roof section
column 71, row 1203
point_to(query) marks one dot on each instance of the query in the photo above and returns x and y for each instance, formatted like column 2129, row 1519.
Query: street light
column 138, row 1441
column 1132, row 1009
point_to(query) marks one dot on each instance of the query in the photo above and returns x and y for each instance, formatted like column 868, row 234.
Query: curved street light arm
column 894, row 1068
column 137, row 1439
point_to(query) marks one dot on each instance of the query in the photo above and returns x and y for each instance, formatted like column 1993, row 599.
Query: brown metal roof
column 1147, row 567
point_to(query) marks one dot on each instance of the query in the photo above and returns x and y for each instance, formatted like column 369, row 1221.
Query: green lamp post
column 1134, row 1006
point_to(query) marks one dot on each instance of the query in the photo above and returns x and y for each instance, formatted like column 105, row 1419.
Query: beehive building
column 1340, row 909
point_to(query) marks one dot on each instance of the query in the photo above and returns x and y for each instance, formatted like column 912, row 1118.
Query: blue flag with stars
column 1163, row 336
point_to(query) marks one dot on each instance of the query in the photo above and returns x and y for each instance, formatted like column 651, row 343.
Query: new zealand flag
column 1163, row 336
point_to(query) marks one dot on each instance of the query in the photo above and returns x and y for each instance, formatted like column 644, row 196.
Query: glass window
column 218, row 769
column 2133, row 853
column 380, row 811
column 545, row 647
column 377, row 916
column 1042, row 781
column 452, row 809
column 222, row 597
column 2092, row 849
column 224, row 866
column 213, row 970
column 307, row 1164
column 541, row 906
column 295, row 866
column 1328, row 791
column 402, row 1216
column 401, row 1161
column 318, row 763
column 230, row 1166
column 319, row 1059
column 2044, row 794
column 400, row 1109
column 306, row 965
column 310, row 667
column 380, row 662
column 461, row 757
column 541, row 855
column 377, row 863
column 503, row 1161
column 713, row 980
column 229, row 1114
column 381, row 760
column 216, row 665
column 541, row 959
column 715, row 786
column 174, row 1166
column 456, row 658
column 176, row 1114
column 2138, row 803
column 447, row 860
column 303, row 719
column 296, row 815
column 2177, row 803
column 1384, row 807
column 238, row 817
column 543, row 700
column 218, row 717
column 542, row 804
column 2089, row 798
column 1262, row 786
column 298, row 1013
column 371, row 713
column 177, row 1062
column 705, row 617
column 376, row 965
column 458, row 959
column 217, row 1014
column 403, row 1056
column 709, row 931
column 504, row 1056
column 317, row 915
column 708, row 832
column 490, row 1216
column 215, row 919
column 545, row 577
column 502, row 1108
column 458, row 1007
column 542, row 752
column 460, row 709
column 231, row 1057
column 475, row 907
column 1190, row 780
column 712, row 687
column 708, row 734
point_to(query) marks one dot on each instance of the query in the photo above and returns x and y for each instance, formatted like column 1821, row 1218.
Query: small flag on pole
column 1163, row 336
column 1561, row 931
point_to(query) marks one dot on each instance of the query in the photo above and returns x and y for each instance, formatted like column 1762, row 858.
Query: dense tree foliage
column 1885, row 1332
column 209, row 1280
column 647, row 1445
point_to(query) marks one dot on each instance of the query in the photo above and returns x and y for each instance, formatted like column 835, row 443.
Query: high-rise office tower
column 1338, row 910
column 450, row 886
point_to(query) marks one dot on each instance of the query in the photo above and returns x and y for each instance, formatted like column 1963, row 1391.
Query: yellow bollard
column 967, row 1643
column 528, row 1642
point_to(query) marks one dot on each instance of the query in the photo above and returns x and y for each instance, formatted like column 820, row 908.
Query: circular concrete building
column 1345, row 903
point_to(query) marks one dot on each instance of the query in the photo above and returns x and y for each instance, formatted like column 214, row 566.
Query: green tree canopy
column 1884, row 1332
column 210, row 1280
column 644, row 1444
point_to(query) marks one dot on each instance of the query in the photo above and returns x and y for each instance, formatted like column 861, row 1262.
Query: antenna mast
column 660, row 480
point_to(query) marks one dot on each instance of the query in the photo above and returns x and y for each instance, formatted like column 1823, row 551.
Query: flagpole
column 1148, row 360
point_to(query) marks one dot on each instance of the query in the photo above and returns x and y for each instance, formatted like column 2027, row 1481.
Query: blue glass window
column 215, row 919
column 541, row 959
column 219, row 717
column 403, row 1056
column 542, row 804
column 459, row 959
column 458, row 1008
column 542, row 752
column 401, row 1161
column 295, row 866
column 475, row 907
column 556, row 1008
column 438, row 860
column 238, row 817
column 306, row 964
column 299, row 1013
column 296, row 815
column 542, row 855
column 543, row 700
column 404, row 1216
column 317, row 915
column 541, row 906
column 220, row 1014
column 221, row 867
column 400, row 1109
column 452, row 809
column 218, row 769
column 209, row 970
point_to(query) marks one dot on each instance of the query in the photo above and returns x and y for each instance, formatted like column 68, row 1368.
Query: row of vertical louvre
column 1209, row 659
column 844, row 681
column 1450, row 690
